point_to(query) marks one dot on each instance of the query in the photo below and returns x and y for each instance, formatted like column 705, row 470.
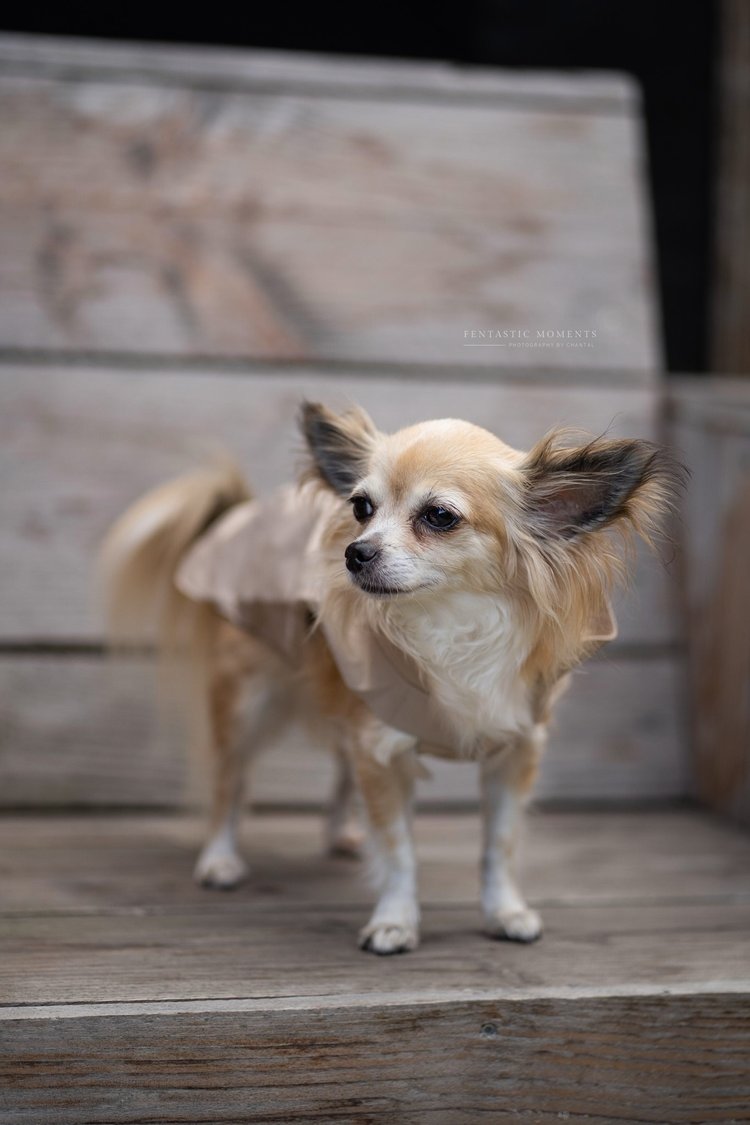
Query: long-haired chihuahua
column 426, row 591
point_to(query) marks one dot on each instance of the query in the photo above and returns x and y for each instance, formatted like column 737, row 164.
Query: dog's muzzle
column 359, row 555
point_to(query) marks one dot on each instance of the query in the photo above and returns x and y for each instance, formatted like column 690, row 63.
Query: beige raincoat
column 259, row 565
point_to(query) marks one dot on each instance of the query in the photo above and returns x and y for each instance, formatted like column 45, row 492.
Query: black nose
column 359, row 554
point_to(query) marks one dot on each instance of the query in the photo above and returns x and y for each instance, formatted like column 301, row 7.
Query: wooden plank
column 255, row 946
column 70, row 59
column 730, row 338
column 78, row 443
column 677, row 1059
column 719, row 403
column 122, row 1001
column 183, row 219
column 105, row 863
column 81, row 731
column 212, row 953
column 714, row 429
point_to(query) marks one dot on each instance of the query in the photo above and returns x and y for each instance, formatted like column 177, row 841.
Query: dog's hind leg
column 244, row 674
column 220, row 863
column 344, row 835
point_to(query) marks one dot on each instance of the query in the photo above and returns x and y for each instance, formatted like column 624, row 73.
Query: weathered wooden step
column 129, row 995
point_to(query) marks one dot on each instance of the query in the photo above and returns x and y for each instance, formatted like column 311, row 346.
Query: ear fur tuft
column 573, row 490
column 340, row 444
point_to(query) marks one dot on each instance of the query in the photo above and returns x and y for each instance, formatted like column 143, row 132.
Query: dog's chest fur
column 471, row 652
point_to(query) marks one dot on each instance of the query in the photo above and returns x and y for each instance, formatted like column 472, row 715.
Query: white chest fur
column 471, row 650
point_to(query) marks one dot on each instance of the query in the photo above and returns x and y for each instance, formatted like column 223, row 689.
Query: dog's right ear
column 340, row 444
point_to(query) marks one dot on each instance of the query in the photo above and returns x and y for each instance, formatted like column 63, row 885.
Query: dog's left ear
column 340, row 444
column 570, row 491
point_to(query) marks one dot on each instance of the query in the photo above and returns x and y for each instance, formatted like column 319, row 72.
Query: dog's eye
column 362, row 508
column 439, row 518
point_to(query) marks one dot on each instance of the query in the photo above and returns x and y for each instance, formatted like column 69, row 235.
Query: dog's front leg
column 507, row 778
column 387, row 791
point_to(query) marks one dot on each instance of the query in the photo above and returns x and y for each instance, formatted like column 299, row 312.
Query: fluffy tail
column 137, row 565
column 142, row 550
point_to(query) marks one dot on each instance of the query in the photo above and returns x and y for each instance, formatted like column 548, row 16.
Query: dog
column 426, row 591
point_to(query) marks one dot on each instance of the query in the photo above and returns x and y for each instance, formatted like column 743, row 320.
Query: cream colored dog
column 425, row 591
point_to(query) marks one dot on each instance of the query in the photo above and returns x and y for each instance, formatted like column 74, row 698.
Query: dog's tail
column 139, row 558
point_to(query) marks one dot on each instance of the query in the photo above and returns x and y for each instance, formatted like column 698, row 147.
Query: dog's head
column 446, row 505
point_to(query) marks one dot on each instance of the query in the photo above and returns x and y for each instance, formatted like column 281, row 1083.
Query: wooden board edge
column 652, row 1058
column 593, row 91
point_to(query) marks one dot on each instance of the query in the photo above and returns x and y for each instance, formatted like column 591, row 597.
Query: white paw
column 220, row 868
column 347, row 841
column 387, row 937
column 515, row 925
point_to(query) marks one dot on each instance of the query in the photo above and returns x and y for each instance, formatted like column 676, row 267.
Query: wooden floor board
column 208, row 954
column 111, row 862
column 129, row 995
column 550, row 1061
column 104, row 909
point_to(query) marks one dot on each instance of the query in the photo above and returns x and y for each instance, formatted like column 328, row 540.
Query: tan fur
column 138, row 559
column 535, row 549
column 234, row 659
column 137, row 562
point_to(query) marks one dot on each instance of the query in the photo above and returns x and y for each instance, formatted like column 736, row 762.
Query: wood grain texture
column 94, row 936
column 128, row 995
column 209, row 953
column 80, row 730
column 616, row 1059
column 107, row 863
column 712, row 424
column 190, row 219
column 79, row 443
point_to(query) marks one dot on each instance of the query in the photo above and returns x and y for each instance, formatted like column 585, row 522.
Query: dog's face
column 427, row 510
column 445, row 505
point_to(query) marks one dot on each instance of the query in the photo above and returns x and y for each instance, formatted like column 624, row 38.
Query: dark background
column 670, row 48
